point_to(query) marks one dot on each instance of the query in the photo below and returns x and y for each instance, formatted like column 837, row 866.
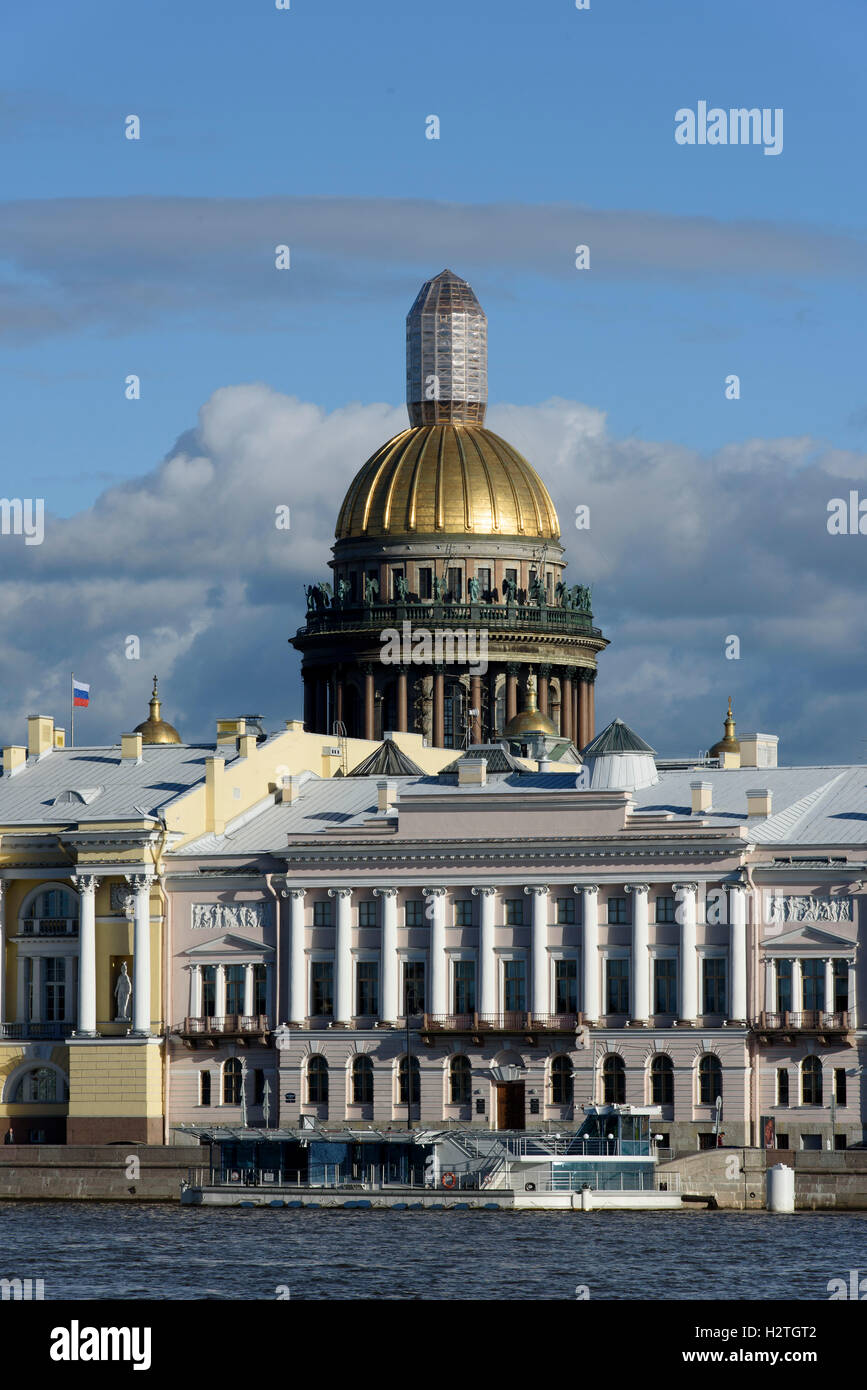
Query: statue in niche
column 122, row 994
column 439, row 588
column 371, row 589
column 473, row 588
column 402, row 588
column 509, row 588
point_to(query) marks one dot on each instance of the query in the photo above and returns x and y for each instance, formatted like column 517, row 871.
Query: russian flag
column 80, row 694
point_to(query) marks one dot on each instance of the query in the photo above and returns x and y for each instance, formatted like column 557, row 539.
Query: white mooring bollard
column 781, row 1188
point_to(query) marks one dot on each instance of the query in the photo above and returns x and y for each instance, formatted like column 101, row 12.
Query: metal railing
column 812, row 1020
column 330, row 1177
column 601, row 1182
column 513, row 1021
column 434, row 614
column 227, row 1023
column 22, row 1032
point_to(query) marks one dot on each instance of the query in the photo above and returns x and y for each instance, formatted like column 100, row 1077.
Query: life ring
column 529, row 1187
column 448, row 1180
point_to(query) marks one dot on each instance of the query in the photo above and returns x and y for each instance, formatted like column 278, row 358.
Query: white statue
column 123, row 993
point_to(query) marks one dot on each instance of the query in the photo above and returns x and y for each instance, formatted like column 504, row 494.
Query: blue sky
column 307, row 126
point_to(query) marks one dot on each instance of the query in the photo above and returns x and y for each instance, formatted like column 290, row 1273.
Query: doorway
column 510, row 1105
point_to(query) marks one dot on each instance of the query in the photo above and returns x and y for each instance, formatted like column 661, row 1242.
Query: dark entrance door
column 510, row 1105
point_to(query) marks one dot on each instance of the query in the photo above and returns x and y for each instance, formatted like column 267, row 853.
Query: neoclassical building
column 448, row 539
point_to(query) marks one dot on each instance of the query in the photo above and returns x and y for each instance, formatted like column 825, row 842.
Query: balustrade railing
column 23, row 1032
column 812, row 1020
column 511, row 1021
column 226, row 1023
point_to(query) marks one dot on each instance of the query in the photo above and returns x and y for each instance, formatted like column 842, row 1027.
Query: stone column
column 248, row 989
column 141, row 953
column 439, row 708
column 640, row 972
column 511, row 690
column 829, row 985
column 343, row 956
column 439, row 983
column 21, row 1003
column 388, row 1009
column 369, row 694
column 590, row 950
column 402, row 721
column 770, row 985
column 68, row 1005
column 219, row 991
column 583, row 710
column 591, row 707
column 338, row 698
column 544, row 677
column 576, row 708
column 797, row 985
column 297, row 959
column 738, row 953
column 566, row 726
column 487, row 994
column 195, row 1004
column 476, row 704
column 492, row 704
column 86, row 885
column 540, row 1000
column 688, row 965
column 851, row 1000
column 35, row 989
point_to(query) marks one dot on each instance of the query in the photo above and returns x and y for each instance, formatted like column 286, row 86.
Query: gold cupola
column 155, row 729
column 728, row 744
column 530, row 720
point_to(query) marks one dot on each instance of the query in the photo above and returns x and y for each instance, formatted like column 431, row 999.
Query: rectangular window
column 784, row 986
column 209, row 990
column 782, row 1140
column 665, row 908
column 665, row 985
column 367, row 913
column 258, row 1086
column 413, row 987
column 514, row 912
column 813, row 975
column 322, row 988
column 841, row 986
column 549, row 585
column 714, row 977
column 260, row 990
column 414, row 913
column 204, row 1088
column 566, row 910
column 54, row 988
column 234, row 989
column 323, row 915
column 465, row 986
column 484, row 578
column 425, row 582
column 353, row 586
column 367, row 987
column 510, row 577
column 514, row 986
column 782, row 1086
column 464, row 912
column 617, row 912
column 454, row 585
column 618, row 987
column 566, row 986
column 840, row 1085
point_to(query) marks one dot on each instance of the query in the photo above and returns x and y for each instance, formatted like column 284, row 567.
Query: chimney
column 246, row 745
column 131, row 748
column 40, row 734
column 386, row 795
column 759, row 803
column 14, row 758
column 759, row 750
column 230, row 730
column 701, row 797
column 472, row 772
column 59, row 737
column 289, row 788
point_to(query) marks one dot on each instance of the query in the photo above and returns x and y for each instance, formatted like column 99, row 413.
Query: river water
column 117, row 1250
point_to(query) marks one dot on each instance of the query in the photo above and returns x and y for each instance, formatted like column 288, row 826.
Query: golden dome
column 155, row 729
column 530, row 720
column 447, row 479
column 727, row 744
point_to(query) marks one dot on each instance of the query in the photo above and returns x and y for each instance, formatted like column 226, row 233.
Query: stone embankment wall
column 736, row 1177
column 99, row 1173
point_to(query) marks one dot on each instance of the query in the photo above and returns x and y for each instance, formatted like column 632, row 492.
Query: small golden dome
column 447, row 479
column 530, row 720
column 155, row 729
column 727, row 744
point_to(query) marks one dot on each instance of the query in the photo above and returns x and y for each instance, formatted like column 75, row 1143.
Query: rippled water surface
column 104, row 1250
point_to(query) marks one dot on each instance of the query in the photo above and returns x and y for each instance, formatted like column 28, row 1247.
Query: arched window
column 232, row 1082
column 416, row 1080
column 562, row 1081
column 41, row 1085
column 709, row 1079
column 661, row 1080
column 317, row 1080
column 811, row 1081
column 204, row 1088
column 614, row 1080
column 362, row 1081
column 460, row 1080
column 49, row 912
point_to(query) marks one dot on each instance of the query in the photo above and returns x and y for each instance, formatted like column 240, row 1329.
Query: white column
column 388, row 958
column 297, row 959
column 590, row 950
column 141, row 953
column 487, row 993
column 195, row 990
column 343, row 955
column 68, row 1010
column 688, row 965
column 541, row 996
column 797, row 986
column 86, row 885
column 248, row 989
column 2, row 951
column 851, row 1001
column 829, row 984
column 439, row 980
column 36, row 989
column 219, row 991
column 738, row 953
column 770, row 985
column 640, row 972
column 21, row 1002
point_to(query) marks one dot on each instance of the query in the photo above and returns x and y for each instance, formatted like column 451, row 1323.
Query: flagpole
column 72, row 709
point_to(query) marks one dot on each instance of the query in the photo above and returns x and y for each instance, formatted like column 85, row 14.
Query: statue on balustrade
column 402, row 588
column 473, row 588
column 371, row 589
